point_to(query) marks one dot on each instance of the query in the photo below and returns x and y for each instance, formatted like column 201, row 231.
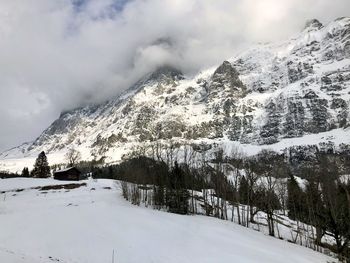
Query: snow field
column 85, row 225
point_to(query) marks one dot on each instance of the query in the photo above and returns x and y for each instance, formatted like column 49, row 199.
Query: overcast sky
column 58, row 54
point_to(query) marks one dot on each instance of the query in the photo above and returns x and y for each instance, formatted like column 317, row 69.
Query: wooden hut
column 68, row 174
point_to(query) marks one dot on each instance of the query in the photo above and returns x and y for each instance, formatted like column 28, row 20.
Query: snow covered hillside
column 274, row 95
column 85, row 225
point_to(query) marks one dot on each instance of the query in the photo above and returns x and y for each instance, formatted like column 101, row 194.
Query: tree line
column 193, row 181
column 41, row 169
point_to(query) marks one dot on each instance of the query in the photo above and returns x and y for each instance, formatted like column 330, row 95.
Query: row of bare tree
column 200, row 179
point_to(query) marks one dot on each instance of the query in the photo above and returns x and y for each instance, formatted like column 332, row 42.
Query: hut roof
column 67, row 169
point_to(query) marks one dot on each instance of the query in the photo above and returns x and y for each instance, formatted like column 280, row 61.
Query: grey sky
column 58, row 54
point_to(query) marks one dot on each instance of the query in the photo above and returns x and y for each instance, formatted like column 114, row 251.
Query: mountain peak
column 226, row 76
column 164, row 74
column 345, row 19
column 313, row 24
column 225, row 67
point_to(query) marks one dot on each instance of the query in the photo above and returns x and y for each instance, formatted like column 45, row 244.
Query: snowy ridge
column 274, row 96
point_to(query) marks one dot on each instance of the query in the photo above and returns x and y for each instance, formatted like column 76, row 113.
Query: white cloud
column 57, row 54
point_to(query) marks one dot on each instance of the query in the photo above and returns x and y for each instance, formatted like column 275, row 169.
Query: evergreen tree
column 176, row 194
column 316, row 209
column 296, row 200
column 243, row 191
column 25, row 172
column 41, row 167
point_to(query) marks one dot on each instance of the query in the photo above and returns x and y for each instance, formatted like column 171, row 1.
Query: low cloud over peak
column 56, row 55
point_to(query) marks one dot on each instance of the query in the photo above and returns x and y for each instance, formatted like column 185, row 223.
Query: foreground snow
column 8, row 185
column 86, row 224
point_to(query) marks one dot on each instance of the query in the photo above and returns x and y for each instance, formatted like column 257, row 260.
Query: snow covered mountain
column 273, row 95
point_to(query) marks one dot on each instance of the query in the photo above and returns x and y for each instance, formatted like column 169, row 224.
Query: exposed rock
column 226, row 79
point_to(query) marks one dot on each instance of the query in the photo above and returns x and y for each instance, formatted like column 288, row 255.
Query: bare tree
column 252, row 179
column 236, row 160
column 281, row 190
column 73, row 156
column 272, row 167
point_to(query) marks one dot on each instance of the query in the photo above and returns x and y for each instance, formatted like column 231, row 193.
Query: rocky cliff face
column 267, row 94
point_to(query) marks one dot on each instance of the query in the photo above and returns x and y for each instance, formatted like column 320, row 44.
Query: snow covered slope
column 289, row 93
column 86, row 224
